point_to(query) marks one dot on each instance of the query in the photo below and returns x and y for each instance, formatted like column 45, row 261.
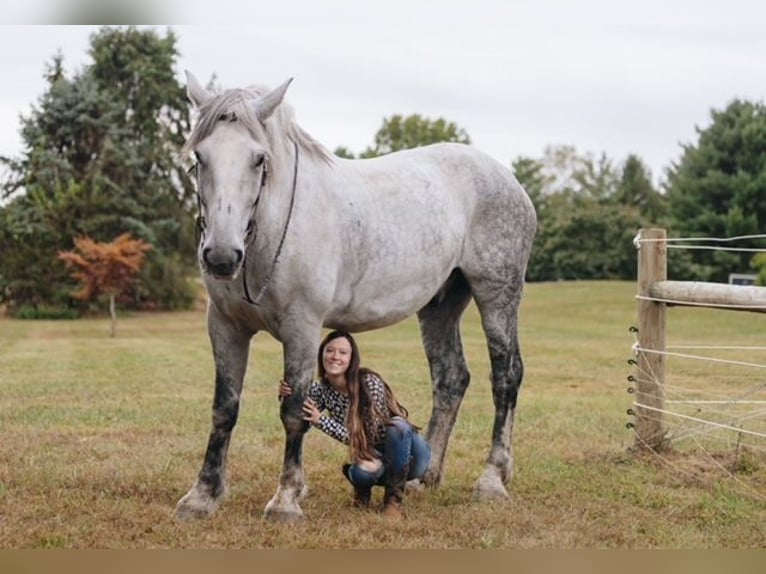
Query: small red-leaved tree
column 105, row 268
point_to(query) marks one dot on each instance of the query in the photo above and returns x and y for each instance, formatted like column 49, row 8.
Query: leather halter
column 262, row 290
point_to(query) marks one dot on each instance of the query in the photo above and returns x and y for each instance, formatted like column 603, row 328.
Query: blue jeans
column 403, row 445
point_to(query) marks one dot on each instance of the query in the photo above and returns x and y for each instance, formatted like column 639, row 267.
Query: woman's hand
column 284, row 390
column 310, row 412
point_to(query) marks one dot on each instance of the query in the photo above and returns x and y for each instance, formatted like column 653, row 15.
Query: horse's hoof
column 283, row 506
column 194, row 506
column 491, row 488
column 284, row 513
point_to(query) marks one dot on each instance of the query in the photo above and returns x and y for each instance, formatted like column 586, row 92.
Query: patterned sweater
column 334, row 423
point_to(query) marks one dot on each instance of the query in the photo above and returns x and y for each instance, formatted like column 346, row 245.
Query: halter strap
column 266, row 281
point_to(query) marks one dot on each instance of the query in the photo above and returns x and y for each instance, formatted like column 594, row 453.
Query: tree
column 718, row 189
column 343, row 152
column 635, row 189
column 591, row 239
column 532, row 175
column 398, row 133
column 758, row 263
column 105, row 268
column 100, row 159
column 584, row 229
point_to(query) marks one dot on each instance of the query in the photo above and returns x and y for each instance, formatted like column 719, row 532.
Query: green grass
column 100, row 436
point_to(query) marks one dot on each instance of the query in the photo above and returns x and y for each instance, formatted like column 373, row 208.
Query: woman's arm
column 312, row 411
column 333, row 428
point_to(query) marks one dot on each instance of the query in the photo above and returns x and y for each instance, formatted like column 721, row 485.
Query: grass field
column 100, row 436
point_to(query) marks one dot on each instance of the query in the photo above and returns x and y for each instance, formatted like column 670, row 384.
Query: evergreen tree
column 635, row 189
column 100, row 159
column 718, row 189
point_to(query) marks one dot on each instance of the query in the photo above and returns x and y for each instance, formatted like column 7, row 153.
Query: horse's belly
column 383, row 304
column 367, row 319
column 355, row 323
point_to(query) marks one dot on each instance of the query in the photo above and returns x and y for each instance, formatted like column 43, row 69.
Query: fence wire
column 714, row 398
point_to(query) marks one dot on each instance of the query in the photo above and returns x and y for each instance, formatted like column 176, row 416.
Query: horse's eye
column 258, row 160
column 198, row 158
column 192, row 170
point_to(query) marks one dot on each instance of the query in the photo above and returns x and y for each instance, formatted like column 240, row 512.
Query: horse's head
column 232, row 153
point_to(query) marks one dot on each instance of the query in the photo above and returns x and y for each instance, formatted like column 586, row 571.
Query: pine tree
column 101, row 159
column 718, row 189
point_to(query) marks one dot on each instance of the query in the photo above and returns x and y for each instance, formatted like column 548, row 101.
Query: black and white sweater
column 325, row 397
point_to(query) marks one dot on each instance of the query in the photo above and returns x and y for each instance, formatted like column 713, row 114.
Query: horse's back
column 446, row 171
column 498, row 216
column 485, row 192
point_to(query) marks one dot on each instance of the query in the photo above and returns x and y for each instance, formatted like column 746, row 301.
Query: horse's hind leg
column 440, row 331
column 499, row 308
column 230, row 350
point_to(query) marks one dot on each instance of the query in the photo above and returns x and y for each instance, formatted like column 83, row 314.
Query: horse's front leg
column 299, row 357
column 230, row 351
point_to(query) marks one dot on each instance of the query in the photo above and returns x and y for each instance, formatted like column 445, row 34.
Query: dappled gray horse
column 294, row 239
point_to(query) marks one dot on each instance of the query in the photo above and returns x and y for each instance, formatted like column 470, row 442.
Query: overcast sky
column 601, row 75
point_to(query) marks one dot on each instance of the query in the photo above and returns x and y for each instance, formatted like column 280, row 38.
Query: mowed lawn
column 100, row 436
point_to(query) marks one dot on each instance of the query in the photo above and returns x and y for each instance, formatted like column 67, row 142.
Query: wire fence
column 712, row 389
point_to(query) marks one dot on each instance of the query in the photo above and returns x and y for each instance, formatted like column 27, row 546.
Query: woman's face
column 336, row 357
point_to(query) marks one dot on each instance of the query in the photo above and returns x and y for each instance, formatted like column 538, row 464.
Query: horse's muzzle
column 222, row 263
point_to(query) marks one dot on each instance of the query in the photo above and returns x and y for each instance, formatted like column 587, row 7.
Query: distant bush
column 46, row 312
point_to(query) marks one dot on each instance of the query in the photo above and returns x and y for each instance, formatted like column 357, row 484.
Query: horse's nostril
column 239, row 254
column 205, row 253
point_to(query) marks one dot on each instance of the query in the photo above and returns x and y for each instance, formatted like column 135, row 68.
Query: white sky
column 601, row 75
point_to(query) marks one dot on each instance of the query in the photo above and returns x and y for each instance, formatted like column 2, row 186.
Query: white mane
column 280, row 129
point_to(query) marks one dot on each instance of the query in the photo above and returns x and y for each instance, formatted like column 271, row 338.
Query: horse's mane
column 278, row 131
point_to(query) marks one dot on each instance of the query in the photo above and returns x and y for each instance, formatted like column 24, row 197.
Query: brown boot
column 394, row 493
column 392, row 509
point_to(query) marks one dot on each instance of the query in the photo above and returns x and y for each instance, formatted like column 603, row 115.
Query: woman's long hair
column 360, row 405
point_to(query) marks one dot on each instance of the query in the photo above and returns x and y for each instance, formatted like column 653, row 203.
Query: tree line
column 100, row 160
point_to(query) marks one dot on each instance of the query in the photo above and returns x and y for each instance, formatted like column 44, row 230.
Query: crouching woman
column 355, row 406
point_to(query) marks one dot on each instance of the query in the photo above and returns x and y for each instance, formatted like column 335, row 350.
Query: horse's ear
column 197, row 94
column 265, row 106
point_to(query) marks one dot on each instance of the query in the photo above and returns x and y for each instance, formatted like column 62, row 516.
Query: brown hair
column 360, row 403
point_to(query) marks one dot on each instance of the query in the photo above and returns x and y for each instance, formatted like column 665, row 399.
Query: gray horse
column 294, row 239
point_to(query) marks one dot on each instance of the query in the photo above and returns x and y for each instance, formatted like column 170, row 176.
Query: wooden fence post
column 650, row 376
